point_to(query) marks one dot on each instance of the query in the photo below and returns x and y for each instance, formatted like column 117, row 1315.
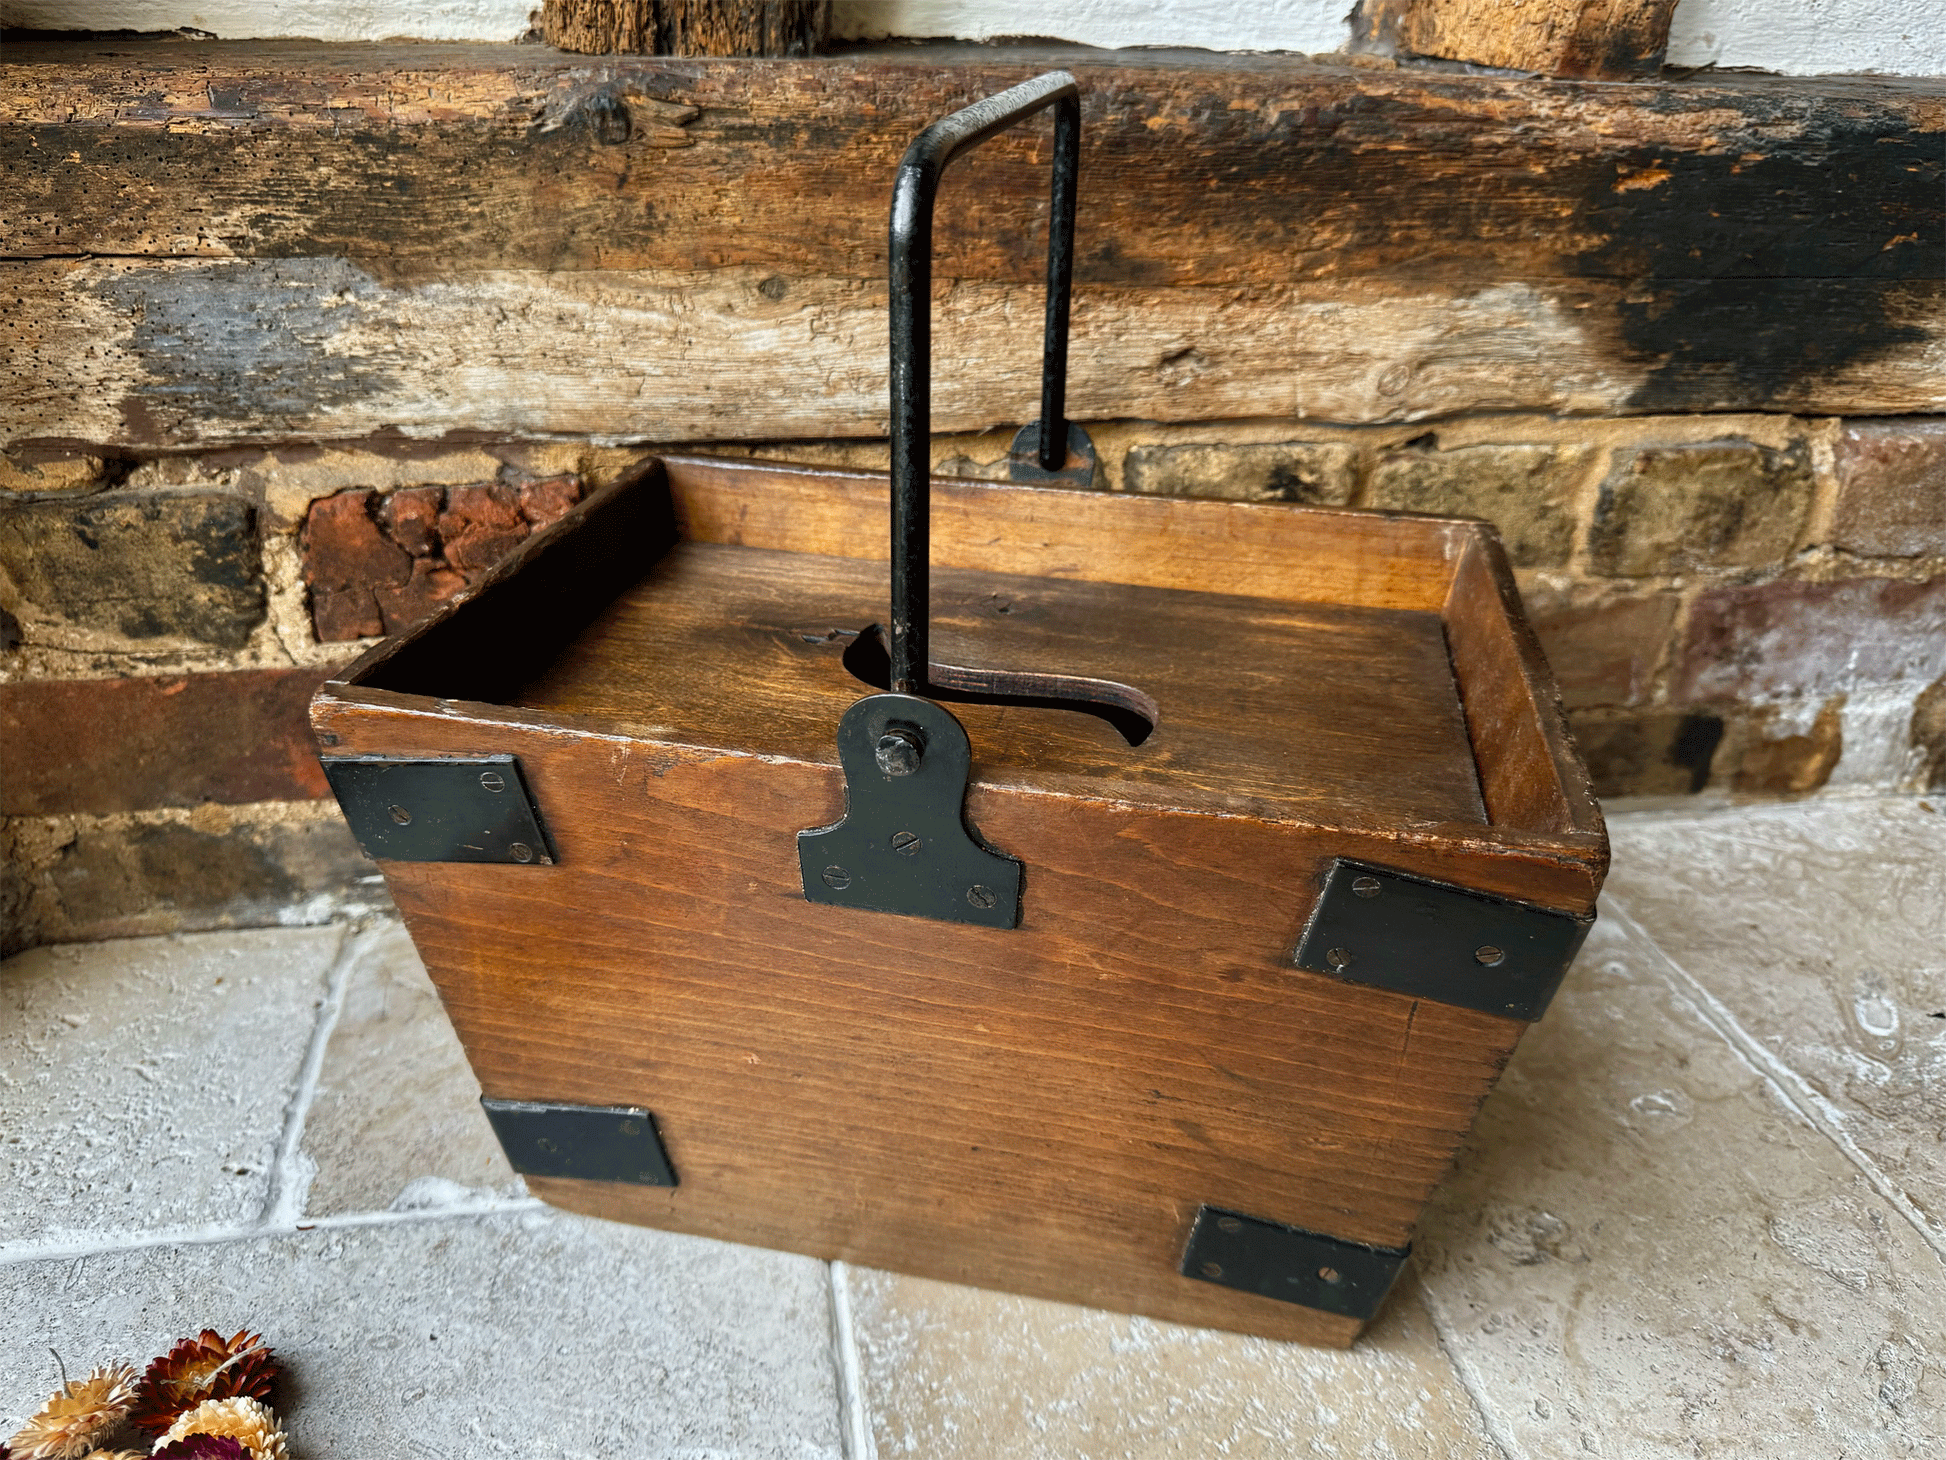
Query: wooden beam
column 264, row 241
column 686, row 27
column 1600, row 39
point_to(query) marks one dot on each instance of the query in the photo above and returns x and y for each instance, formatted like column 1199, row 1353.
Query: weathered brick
column 74, row 878
column 1647, row 752
column 1891, row 487
column 482, row 523
column 1791, row 640
column 1928, row 734
column 548, row 499
column 143, row 565
column 347, row 558
column 95, row 746
column 1769, row 759
column 1606, row 652
column 402, row 605
column 1710, row 504
column 1524, row 490
column 410, row 517
column 377, row 564
column 1284, row 471
column 52, row 469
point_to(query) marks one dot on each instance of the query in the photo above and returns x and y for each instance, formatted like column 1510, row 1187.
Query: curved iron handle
column 910, row 256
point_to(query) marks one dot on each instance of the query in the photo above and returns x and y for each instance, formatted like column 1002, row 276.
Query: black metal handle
column 913, row 195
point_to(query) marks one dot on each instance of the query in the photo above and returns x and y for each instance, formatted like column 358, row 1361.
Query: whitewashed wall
column 1797, row 37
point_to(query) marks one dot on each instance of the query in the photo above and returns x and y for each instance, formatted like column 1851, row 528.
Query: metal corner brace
column 403, row 809
column 1393, row 931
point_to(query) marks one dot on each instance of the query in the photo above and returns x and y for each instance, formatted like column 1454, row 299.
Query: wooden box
column 1137, row 1098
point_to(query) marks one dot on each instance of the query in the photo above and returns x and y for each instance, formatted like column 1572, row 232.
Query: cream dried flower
column 77, row 1416
column 240, row 1418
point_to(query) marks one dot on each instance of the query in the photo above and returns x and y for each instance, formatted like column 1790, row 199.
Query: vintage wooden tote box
column 1137, row 918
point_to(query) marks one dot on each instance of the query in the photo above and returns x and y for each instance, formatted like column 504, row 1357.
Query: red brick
column 1793, row 640
column 1605, row 653
column 96, row 746
column 548, row 499
column 346, row 557
column 411, row 517
column 481, row 525
column 429, row 586
column 1891, row 487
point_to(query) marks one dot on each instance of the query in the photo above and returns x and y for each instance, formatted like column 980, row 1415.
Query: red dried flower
column 204, row 1447
column 208, row 1366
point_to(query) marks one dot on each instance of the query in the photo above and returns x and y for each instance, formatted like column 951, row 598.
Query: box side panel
column 1530, row 775
column 1256, row 549
column 1041, row 1110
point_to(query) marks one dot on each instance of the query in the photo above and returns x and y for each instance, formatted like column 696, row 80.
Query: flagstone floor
column 1703, row 1215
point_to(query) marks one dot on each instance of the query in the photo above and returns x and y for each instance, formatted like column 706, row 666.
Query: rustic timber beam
column 1605, row 39
column 687, row 27
column 237, row 242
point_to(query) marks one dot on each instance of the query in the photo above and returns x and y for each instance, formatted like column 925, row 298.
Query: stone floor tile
column 1821, row 928
column 396, row 1119
column 1646, row 1253
column 951, row 1371
column 144, row 1084
column 536, row 1334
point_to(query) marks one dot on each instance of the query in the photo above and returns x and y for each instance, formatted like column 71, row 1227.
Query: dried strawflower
column 208, row 1366
column 241, row 1418
column 77, row 1415
column 202, row 1447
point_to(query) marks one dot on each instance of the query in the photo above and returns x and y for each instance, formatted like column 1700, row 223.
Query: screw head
column 1212, row 1269
column 1331, row 1275
column 906, row 842
column 899, row 751
column 493, row 780
column 836, row 878
column 981, row 897
column 521, row 852
column 1365, row 886
column 401, row 815
column 1338, row 957
column 1228, row 1224
column 1489, row 955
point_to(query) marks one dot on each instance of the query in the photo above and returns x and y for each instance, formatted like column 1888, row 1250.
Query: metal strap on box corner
column 1290, row 1264
column 402, row 809
column 1391, row 930
column 583, row 1142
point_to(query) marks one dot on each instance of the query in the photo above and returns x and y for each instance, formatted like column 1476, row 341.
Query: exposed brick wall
column 1750, row 605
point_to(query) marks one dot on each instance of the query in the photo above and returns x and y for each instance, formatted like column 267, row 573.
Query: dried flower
column 208, row 1366
column 77, row 1416
column 202, row 1447
column 240, row 1417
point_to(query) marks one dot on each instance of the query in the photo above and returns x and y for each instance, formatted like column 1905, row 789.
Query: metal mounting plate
column 1023, row 459
column 1393, row 931
column 904, row 845
column 586, row 1142
column 1290, row 1264
column 405, row 810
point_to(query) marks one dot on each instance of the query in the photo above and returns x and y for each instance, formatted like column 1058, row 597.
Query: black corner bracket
column 585, row 1142
column 403, row 809
column 1393, row 931
column 1290, row 1264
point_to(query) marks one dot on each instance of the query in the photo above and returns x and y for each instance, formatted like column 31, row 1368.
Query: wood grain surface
column 218, row 243
column 1042, row 1109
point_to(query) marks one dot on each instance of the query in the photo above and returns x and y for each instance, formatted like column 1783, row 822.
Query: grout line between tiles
column 212, row 1236
column 1444, row 1331
column 288, row 1187
column 1793, row 1088
column 857, row 1433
